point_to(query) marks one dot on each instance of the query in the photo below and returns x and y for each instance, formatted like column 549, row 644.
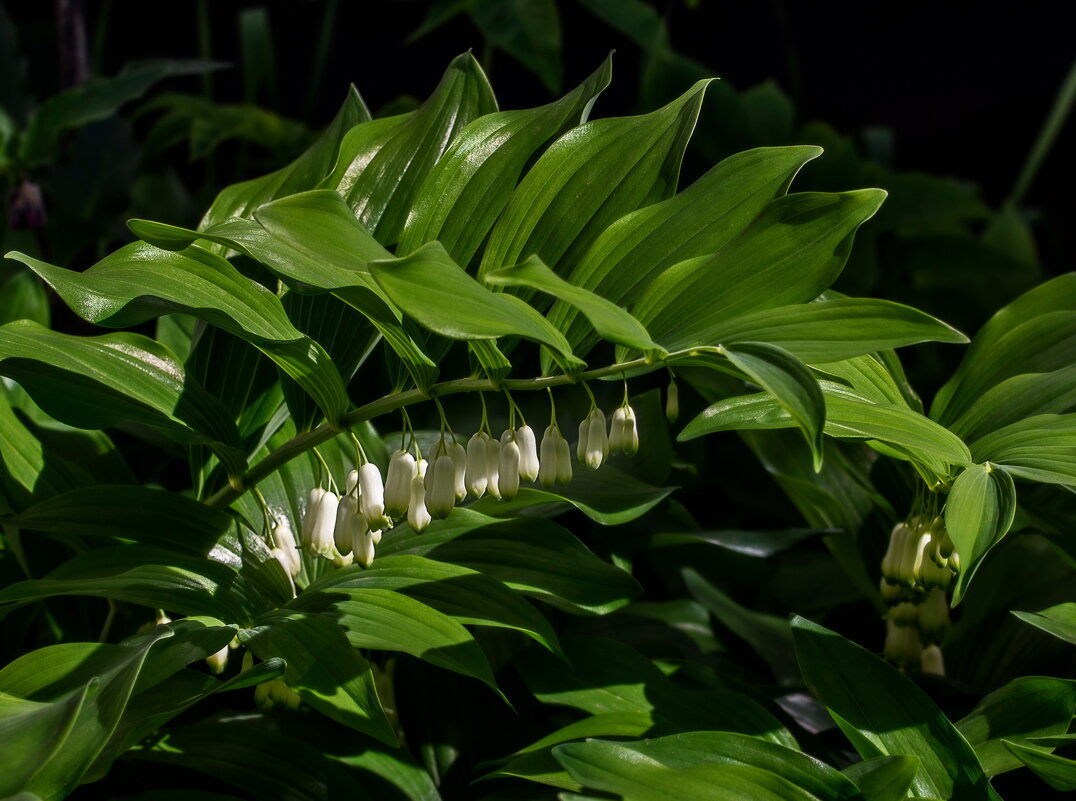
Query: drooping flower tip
column 529, row 465
column 476, row 472
column 623, row 432
column 508, row 466
column 418, row 516
column 398, row 483
column 372, row 496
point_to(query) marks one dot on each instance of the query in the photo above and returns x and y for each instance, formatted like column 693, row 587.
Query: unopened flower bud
column 547, row 470
column 493, row 467
column 529, row 465
column 890, row 590
column 597, row 440
column 623, row 433
column 372, row 496
column 418, row 517
column 398, row 483
column 902, row 644
column 362, row 542
column 441, row 487
column 581, row 443
column 934, row 615
column 904, row 614
column 894, row 551
column 284, row 541
column 476, row 474
column 932, row 661
column 282, row 559
column 508, row 468
column 322, row 517
column 564, row 462
column 351, row 482
column 218, row 661
column 458, row 455
column 276, row 693
column 346, row 511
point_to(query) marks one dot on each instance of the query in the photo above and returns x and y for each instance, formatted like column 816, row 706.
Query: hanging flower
column 493, row 467
column 441, row 487
column 398, row 483
column 597, row 449
column 418, row 516
column 508, row 466
column 547, row 471
column 319, row 522
column 476, row 472
column 372, row 496
column 623, row 433
column 529, row 465
column 284, row 542
column 458, row 456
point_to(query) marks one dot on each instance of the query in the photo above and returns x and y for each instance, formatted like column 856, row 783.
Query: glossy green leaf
column 467, row 189
column 96, row 99
column 382, row 164
column 871, row 377
column 792, row 253
column 386, row 620
column 612, row 323
column 1059, row 620
column 49, row 746
column 119, row 377
column 535, row 557
column 697, row 221
column 607, row 496
column 439, row 294
column 323, row 669
column 239, row 200
column 153, row 577
column 605, row 676
column 1039, row 448
column 1015, row 399
column 615, row 768
column 884, row 713
column 587, row 179
column 682, row 751
column 464, row 594
column 140, row 282
column 1057, row 771
column 142, row 514
column 978, row 513
column 884, row 778
column 831, row 330
column 1025, row 708
column 790, row 382
column 23, row 298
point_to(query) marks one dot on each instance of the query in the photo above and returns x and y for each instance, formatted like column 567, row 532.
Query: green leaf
column 49, row 746
column 1015, row 399
column 96, row 382
column 382, row 164
column 607, row 496
column 884, row 778
column 791, row 253
column 790, row 382
column 439, row 294
column 468, row 188
column 1056, row 771
column 587, row 179
column 1039, row 448
column 387, row 620
column 978, row 513
column 152, row 577
column 97, row 99
column 464, row 594
column 831, row 330
column 528, row 30
column 606, row 676
column 697, row 221
column 143, row 514
column 323, row 669
column 612, row 323
column 23, row 298
column 140, row 282
column 884, row 713
column 1027, row 707
column 615, row 768
column 535, row 557
column 239, row 200
column 1059, row 620
column 28, row 470
column 682, row 751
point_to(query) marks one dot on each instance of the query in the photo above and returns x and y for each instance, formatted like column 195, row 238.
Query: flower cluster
column 346, row 529
column 917, row 569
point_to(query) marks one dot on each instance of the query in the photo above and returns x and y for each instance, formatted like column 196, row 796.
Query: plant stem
column 302, row 443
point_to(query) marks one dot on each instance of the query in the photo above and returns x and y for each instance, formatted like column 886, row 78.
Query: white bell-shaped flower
column 476, row 474
column 398, row 483
column 351, row 482
column 508, row 466
column 458, row 454
column 372, row 496
column 529, row 465
column 616, row 426
column 313, row 498
column 323, row 524
column 597, row 440
column 284, row 541
column 581, row 443
column 932, row 661
column 441, row 487
column 934, row 615
column 493, row 467
column 564, row 462
column 362, row 543
column 547, row 470
column 218, row 661
column 346, row 512
column 418, row 516
column 629, row 432
column 284, row 561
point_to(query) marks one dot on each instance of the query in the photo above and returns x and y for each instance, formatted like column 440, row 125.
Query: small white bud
column 284, row 541
column 398, row 483
column 564, row 462
column 581, row 444
column 218, row 661
column 323, row 524
column 529, row 466
column 629, row 438
column 458, row 455
column 351, row 482
column 932, row 661
column 441, row 487
column 891, row 591
column 508, row 467
column 902, row 644
column 895, row 547
column 616, row 429
column 276, row 693
column 418, row 517
column 346, row 511
column 904, row 614
column 372, row 496
column 933, row 615
column 476, row 475
column 312, row 499
column 547, row 471
column 285, row 563
column 362, row 543
column 597, row 440
column 493, row 467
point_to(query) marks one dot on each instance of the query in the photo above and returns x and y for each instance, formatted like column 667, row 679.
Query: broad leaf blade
column 978, row 513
